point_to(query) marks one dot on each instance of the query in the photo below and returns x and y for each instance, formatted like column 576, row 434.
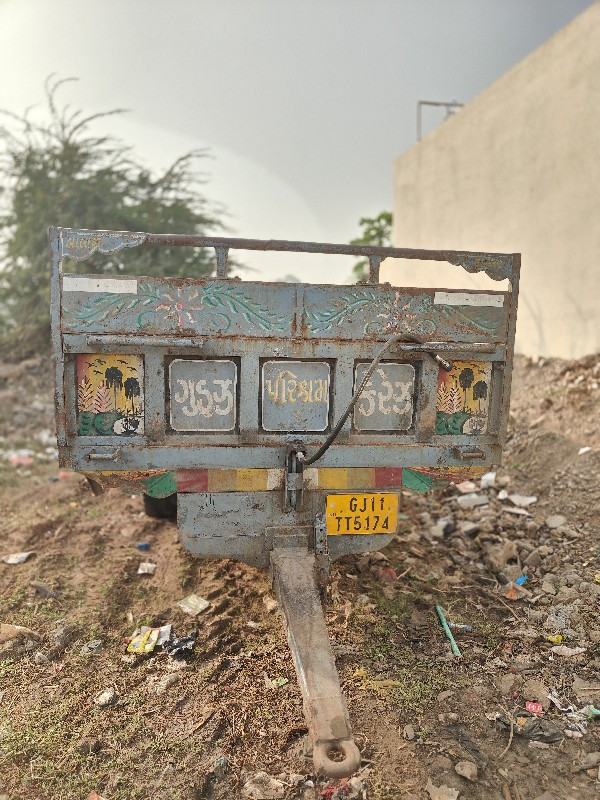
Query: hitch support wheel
column 294, row 571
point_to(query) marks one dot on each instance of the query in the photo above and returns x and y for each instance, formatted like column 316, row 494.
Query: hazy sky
column 304, row 104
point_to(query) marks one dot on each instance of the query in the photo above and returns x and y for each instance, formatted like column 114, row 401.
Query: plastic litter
column 583, row 450
column 555, row 639
column 146, row 568
column 532, row 727
column 578, row 719
column 520, row 581
column 453, row 646
column 279, row 682
column 193, row 605
column 514, row 591
column 19, row 458
column 534, row 708
column 145, row 639
column 142, row 546
column 567, row 652
column 181, row 648
column 18, row 558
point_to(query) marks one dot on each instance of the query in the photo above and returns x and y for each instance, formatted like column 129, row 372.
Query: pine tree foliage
column 85, row 395
column 60, row 173
column 443, row 400
column 103, row 399
column 455, row 399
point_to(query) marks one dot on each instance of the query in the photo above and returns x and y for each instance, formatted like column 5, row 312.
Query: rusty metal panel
column 295, row 396
column 387, row 401
column 203, row 395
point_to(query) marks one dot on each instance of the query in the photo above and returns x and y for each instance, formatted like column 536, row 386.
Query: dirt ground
column 203, row 727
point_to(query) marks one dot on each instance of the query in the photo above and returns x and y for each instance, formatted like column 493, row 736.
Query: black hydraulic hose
column 399, row 337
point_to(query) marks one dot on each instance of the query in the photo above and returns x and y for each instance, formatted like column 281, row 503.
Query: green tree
column 59, row 173
column 376, row 231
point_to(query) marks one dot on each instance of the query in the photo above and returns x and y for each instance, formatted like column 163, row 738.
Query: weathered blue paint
column 253, row 375
column 206, row 307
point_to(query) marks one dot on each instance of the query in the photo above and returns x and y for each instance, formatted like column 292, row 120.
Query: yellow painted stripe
column 222, row 480
column 252, row 480
column 361, row 478
column 333, row 478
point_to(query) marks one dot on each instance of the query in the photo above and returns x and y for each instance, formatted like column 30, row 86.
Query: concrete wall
column 518, row 170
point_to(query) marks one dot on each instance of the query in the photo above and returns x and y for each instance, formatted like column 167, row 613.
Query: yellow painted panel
column 333, row 478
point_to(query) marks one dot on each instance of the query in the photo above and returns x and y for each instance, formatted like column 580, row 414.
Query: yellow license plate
column 362, row 513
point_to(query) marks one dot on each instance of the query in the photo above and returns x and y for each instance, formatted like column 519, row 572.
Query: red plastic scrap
column 334, row 792
column 534, row 708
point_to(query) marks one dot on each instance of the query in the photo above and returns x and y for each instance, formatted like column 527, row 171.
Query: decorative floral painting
column 463, row 398
column 110, row 395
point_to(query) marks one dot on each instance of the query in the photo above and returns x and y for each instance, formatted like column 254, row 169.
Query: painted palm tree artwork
column 463, row 398
column 110, row 395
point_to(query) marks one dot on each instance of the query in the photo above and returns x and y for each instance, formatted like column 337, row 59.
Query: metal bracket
column 294, row 480
column 107, row 455
column 293, row 573
column 467, row 453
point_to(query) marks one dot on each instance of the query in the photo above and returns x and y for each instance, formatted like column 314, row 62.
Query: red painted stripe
column 388, row 477
column 192, row 480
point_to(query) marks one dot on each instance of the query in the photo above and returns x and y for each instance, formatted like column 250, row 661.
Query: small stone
column 544, row 550
column 466, row 487
column 589, row 761
column 445, row 695
column 408, row 732
column 469, row 528
column 441, row 792
column 262, row 787
column 548, row 588
column 534, row 559
column 42, row 589
column 40, row 657
column 467, row 769
column 522, row 500
column 467, row 501
column 488, row 480
column 555, row 521
column 106, row 698
column 63, row 636
column 92, row 648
